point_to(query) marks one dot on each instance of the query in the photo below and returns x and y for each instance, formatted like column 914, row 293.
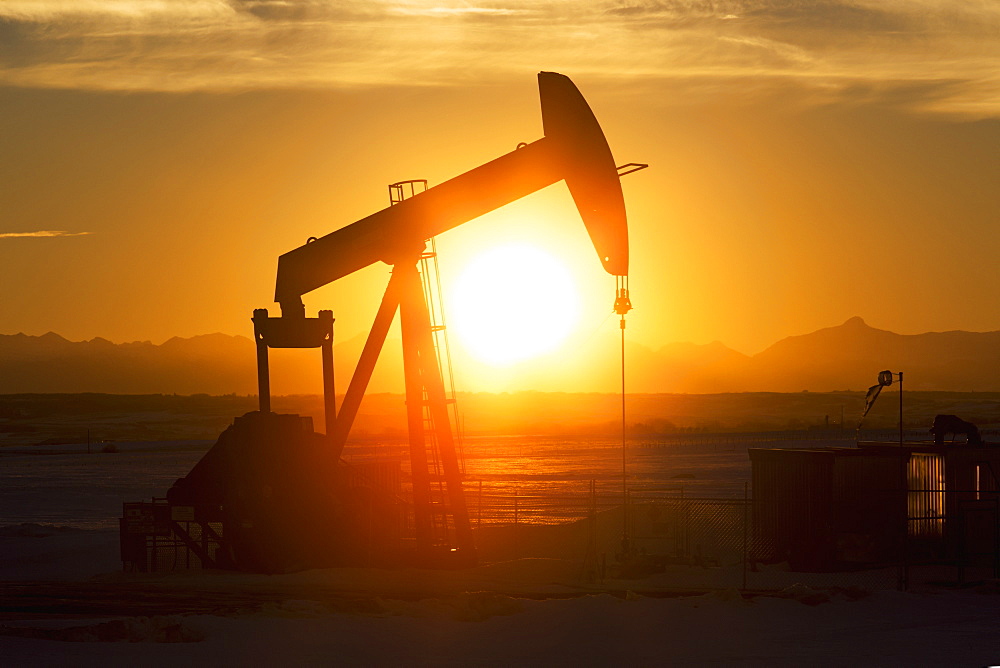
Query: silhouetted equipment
column 308, row 333
column 622, row 306
column 952, row 424
column 273, row 495
column 573, row 149
column 884, row 380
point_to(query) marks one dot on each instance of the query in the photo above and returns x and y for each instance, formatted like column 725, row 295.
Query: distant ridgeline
column 210, row 364
column 836, row 358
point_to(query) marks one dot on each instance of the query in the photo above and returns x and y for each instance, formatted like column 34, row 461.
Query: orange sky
column 809, row 162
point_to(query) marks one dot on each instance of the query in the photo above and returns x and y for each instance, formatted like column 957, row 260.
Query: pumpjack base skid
column 267, row 498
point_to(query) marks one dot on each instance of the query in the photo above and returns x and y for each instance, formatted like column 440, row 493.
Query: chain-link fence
column 675, row 542
column 662, row 539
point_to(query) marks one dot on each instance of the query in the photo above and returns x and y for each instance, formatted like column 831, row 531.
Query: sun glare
column 512, row 303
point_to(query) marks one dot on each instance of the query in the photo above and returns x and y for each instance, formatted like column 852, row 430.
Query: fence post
column 996, row 539
column 746, row 506
column 903, row 576
column 516, row 551
column 590, row 554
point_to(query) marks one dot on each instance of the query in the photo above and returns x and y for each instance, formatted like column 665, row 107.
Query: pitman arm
column 574, row 148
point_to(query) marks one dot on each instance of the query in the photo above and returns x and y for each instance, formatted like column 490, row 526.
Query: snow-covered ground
column 64, row 600
column 63, row 604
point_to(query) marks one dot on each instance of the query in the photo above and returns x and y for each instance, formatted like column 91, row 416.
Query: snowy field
column 519, row 613
column 64, row 601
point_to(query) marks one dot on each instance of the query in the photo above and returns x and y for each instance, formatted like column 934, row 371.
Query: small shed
column 877, row 503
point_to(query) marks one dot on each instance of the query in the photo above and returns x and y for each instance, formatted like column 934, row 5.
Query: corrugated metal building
column 878, row 503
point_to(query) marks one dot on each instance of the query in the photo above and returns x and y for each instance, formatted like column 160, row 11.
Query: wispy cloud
column 245, row 44
column 41, row 233
column 456, row 11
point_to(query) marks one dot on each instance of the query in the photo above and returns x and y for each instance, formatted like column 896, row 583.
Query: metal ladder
column 430, row 277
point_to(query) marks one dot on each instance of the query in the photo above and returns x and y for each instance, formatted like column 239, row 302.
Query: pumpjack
column 274, row 495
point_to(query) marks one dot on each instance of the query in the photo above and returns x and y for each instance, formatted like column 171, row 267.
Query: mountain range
column 848, row 356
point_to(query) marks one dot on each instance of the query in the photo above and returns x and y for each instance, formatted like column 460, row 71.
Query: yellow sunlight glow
column 512, row 303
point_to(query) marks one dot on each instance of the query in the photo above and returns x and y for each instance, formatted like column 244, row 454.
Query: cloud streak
column 41, row 233
column 182, row 45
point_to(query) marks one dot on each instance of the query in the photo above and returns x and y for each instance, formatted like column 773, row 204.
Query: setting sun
column 512, row 303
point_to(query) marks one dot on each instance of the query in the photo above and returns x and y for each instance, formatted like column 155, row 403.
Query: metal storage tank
column 792, row 505
column 828, row 508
